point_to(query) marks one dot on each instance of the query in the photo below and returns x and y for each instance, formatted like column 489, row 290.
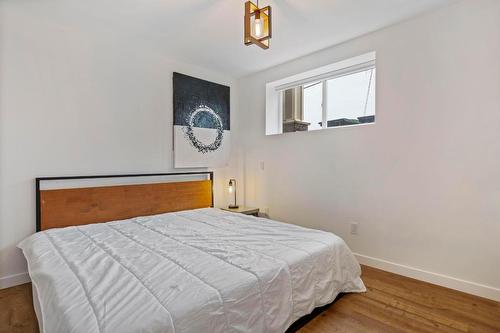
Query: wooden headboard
column 57, row 208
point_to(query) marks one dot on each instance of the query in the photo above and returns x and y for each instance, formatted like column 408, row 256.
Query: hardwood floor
column 392, row 304
column 16, row 310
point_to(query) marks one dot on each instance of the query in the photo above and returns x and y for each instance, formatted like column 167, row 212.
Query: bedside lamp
column 232, row 189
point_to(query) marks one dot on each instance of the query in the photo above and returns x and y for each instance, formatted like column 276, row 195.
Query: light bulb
column 258, row 27
column 230, row 189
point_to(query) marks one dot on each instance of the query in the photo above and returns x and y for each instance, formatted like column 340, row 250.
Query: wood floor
column 16, row 310
column 392, row 304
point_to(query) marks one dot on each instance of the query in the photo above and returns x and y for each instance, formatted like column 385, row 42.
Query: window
column 351, row 99
column 313, row 105
column 341, row 94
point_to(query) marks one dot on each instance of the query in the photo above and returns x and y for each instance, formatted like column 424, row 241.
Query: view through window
column 341, row 98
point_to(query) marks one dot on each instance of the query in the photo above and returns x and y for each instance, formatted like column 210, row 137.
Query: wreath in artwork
column 189, row 132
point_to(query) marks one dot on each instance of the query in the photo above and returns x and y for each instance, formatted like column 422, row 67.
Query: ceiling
column 209, row 33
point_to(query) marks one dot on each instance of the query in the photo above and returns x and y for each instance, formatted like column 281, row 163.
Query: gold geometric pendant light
column 258, row 29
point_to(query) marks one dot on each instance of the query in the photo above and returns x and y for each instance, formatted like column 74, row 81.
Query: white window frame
column 274, row 105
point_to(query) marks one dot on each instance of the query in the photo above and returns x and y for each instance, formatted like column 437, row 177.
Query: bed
column 102, row 262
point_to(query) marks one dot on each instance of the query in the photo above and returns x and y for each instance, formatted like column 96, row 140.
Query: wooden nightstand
column 243, row 210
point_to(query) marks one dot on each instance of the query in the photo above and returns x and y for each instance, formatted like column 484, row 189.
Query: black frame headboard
column 38, row 181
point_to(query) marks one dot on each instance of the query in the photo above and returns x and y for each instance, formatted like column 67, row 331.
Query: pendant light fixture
column 257, row 25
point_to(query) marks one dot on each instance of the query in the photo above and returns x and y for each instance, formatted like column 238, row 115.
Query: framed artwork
column 201, row 123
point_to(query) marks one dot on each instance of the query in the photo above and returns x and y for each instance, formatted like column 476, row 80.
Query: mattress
column 203, row 270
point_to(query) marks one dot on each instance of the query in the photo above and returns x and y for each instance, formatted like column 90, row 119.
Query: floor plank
column 393, row 303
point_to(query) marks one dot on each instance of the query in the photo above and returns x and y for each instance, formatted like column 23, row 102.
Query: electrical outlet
column 354, row 228
column 262, row 165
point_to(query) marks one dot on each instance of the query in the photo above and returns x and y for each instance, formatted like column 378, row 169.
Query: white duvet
column 200, row 271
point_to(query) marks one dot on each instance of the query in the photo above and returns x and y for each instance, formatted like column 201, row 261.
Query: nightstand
column 243, row 210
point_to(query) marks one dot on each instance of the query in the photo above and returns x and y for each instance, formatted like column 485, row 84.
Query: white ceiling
column 209, row 33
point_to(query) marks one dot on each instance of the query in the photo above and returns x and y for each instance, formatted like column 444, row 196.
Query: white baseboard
column 434, row 278
column 14, row 280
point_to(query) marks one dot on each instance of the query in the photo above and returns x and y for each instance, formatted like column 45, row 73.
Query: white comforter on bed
column 200, row 271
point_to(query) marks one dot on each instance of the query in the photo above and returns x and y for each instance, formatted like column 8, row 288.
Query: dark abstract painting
column 201, row 122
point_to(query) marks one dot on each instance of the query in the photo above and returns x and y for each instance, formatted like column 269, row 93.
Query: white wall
column 74, row 102
column 423, row 182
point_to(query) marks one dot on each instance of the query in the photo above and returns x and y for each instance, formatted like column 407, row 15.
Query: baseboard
column 14, row 280
column 434, row 278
